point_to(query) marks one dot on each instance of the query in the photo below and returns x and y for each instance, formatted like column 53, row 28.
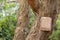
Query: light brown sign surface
column 45, row 24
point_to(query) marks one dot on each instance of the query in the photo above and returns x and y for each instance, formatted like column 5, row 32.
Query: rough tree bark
column 45, row 8
column 34, row 32
column 22, row 21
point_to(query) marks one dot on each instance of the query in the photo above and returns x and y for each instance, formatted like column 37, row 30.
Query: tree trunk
column 22, row 21
column 43, row 8
column 34, row 32
column 58, row 6
column 46, row 8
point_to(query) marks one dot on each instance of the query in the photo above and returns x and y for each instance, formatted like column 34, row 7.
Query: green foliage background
column 8, row 18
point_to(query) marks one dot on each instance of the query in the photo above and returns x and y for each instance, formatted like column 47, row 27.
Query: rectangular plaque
column 45, row 24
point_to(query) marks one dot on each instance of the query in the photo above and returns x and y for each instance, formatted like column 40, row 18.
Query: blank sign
column 45, row 24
